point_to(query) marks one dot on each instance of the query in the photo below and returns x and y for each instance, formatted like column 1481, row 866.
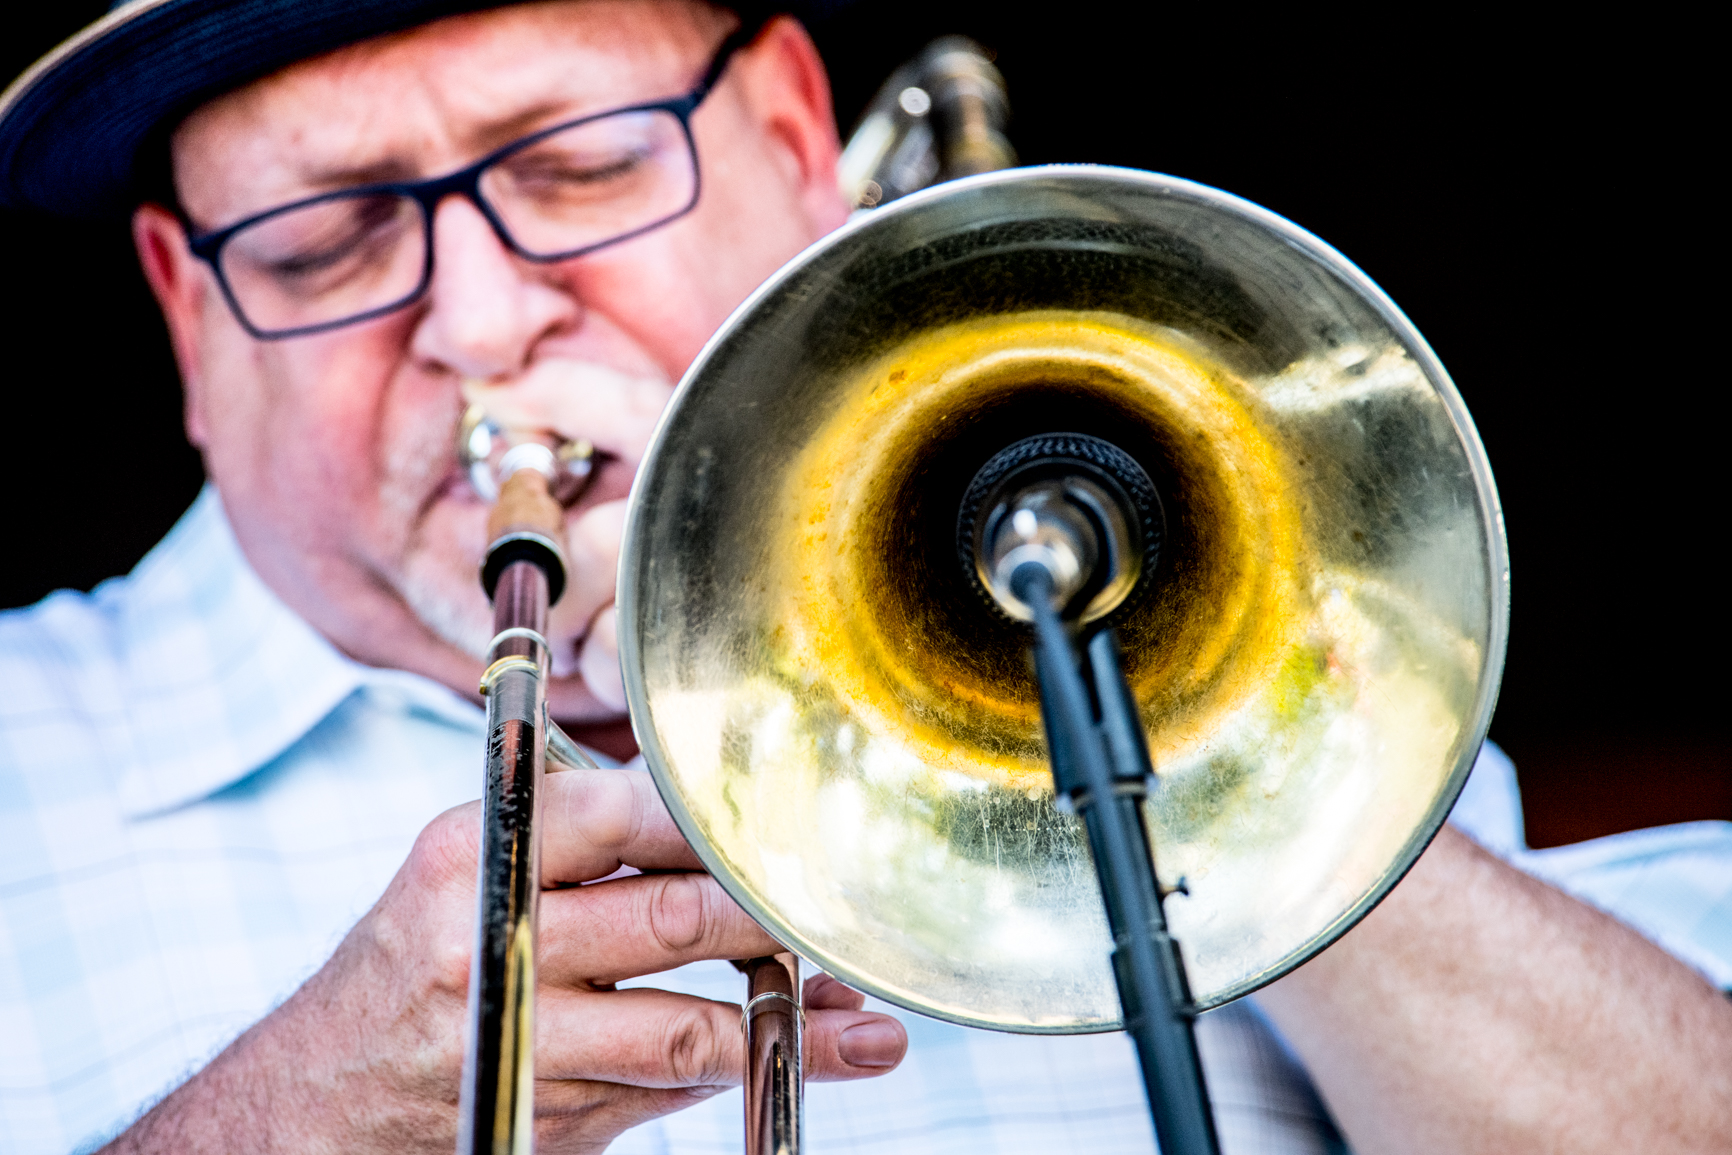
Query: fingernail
column 875, row 1044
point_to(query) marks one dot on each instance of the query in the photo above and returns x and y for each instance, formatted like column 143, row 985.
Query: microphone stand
column 1101, row 769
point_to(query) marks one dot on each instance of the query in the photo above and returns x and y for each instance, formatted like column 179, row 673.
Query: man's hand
column 367, row 1055
column 1479, row 1010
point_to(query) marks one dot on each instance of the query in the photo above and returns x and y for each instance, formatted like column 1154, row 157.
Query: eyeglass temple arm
column 737, row 39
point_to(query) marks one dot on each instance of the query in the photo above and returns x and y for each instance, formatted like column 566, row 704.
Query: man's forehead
column 430, row 99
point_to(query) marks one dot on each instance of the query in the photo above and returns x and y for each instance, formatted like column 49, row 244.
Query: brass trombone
column 824, row 640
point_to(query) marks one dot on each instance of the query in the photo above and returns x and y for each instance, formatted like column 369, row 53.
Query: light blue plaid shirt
column 199, row 796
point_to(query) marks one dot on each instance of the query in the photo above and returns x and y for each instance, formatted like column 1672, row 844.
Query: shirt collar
column 219, row 676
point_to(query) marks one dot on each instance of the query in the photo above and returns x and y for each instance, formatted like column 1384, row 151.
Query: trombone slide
column 524, row 574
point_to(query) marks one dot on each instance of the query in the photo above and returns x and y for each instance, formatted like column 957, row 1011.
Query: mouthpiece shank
column 525, row 505
column 525, row 526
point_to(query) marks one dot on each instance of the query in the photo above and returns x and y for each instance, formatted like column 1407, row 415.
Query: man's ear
column 179, row 287
column 790, row 89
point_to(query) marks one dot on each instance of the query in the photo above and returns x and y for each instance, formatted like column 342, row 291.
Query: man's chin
column 448, row 601
column 452, row 610
column 579, row 712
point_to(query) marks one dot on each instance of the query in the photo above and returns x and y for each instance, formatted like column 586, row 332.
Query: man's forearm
column 300, row 1080
column 231, row 1106
column 1478, row 1009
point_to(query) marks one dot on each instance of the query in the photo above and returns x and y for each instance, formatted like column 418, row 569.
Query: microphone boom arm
column 1100, row 767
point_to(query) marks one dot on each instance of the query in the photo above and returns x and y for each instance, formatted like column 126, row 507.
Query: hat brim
column 72, row 127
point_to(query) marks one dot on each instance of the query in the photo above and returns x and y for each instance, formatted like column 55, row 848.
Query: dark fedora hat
column 74, row 128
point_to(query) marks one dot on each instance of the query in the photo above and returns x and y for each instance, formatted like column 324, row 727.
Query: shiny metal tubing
column 497, row 1104
column 774, row 1020
column 940, row 116
column 564, row 754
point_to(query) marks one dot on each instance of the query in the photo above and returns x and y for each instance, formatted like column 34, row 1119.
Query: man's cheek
column 288, row 415
column 242, row 414
column 381, row 431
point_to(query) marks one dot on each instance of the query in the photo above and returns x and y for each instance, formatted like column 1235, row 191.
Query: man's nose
column 487, row 308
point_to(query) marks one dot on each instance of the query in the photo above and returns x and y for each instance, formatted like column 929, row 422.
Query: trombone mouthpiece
column 489, row 456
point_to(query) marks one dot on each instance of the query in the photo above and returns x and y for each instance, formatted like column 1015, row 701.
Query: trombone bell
column 843, row 721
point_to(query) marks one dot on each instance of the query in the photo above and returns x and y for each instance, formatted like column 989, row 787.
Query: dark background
column 1533, row 204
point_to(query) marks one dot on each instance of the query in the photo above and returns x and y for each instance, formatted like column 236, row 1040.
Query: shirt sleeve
column 1672, row 884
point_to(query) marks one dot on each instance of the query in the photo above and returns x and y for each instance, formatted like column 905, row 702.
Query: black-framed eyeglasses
column 359, row 253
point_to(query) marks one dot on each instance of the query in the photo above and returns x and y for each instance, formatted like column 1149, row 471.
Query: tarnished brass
column 849, row 732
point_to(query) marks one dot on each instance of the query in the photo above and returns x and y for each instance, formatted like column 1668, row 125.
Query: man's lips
column 454, row 486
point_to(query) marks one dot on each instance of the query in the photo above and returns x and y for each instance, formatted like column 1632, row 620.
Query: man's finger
column 850, row 1044
column 592, row 543
column 826, row 993
column 598, row 661
column 642, row 925
column 571, row 1113
column 595, row 821
column 641, row 1037
column 653, row 1038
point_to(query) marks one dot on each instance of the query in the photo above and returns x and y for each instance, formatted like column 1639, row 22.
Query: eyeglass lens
column 573, row 190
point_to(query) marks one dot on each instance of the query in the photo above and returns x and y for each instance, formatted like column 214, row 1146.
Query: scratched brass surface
column 851, row 738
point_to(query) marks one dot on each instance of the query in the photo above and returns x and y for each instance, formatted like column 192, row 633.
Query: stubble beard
column 437, row 575
column 463, row 623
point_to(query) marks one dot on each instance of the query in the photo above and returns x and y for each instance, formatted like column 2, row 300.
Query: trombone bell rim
column 1402, row 553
